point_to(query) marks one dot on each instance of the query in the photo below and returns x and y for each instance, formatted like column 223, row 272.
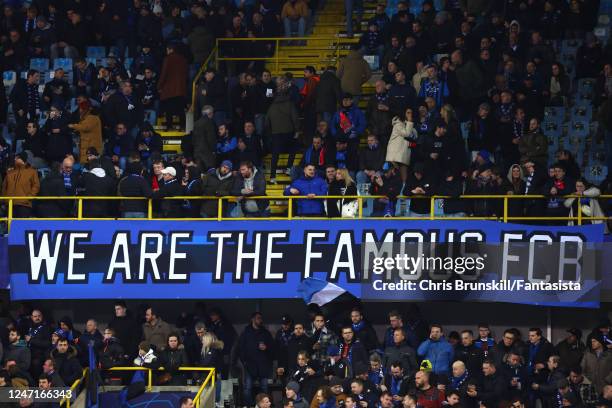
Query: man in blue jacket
column 437, row 350
column 309, row 185
column 349, row 121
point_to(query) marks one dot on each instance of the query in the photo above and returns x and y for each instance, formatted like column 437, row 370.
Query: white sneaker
column 273, row 181
column 288, row 172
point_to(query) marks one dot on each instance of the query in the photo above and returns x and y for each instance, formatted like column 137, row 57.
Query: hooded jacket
column 353, row 72
column 97, row 183
column 440, row 353
column 214, row 184
column 282, row 116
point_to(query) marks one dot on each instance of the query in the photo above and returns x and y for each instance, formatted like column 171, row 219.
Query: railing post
column 150, row 208
column 217, row 56
column 432, row 207
column 10, row 215
column 150, row 380
column 80, row 208
column 505, row 209
column 359, row 207
column 579, row 207
column 276, row 47
column 290, row 209
column 220, row 209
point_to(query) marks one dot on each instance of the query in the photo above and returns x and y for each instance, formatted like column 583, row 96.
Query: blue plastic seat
column 39, row 64
column 150, row 116
column 9, row 78
column 96, row 52
column 63, row 63
column 92, row 60
column 556, row 112
column 596, row 174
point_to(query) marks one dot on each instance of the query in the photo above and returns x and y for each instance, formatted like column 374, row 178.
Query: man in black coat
column 493, row 389
column 170, row 188
column 25, row 100
column 371, row 159
column 363, row 330
column 91, row 336
column 125, row 329
column 57, row 91
column 539, row 351
column 546, row 386
column 467, row 352
column 134, row 185
column 66, row 361
column 352, row 349
column 123, row 107
column 255, row 348
column 204, row 138
column 329, row 93
column 39, row 340
column 299, row 342
column 96, row 183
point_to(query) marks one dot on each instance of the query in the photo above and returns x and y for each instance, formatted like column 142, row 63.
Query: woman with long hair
column 324, row 398
column 212, row 356
column 515, row 185
column 403, row 139
column 343, row 185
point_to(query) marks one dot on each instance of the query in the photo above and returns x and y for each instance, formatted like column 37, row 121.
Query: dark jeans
column 282, row 142
column 174, row 107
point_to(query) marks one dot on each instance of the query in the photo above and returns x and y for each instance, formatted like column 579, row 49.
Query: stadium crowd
column 318, row 361
column 490, row 67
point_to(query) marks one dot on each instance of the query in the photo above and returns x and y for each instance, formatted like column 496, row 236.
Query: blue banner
column 473, row 260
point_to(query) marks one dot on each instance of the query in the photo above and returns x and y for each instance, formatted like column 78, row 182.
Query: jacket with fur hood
column 591, row 195
column 67, row 365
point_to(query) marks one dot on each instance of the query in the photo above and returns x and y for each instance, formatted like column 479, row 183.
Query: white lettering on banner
column 43, row 255
column 220, row 236
column 273, row 255
column 506, row 257
column 72, row 255
column 345, row 241
column 563, row 260
column 174, row 236
column 532, row 243
column 240, row 255
column 309, row 253
column 372, row 249
column 120, row 242
column 151, row 256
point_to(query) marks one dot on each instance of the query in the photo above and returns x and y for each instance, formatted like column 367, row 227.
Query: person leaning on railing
column 249, row 182
column 587, row 203
column 134, row 185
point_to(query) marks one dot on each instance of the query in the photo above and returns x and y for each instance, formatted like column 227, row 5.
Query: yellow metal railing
column 505, row 217
column 196, row 79
column 73, row 389
column 335, row 45
column 209, row 379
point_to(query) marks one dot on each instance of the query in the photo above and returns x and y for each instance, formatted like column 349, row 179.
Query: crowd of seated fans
column 320, row 361
column 459, row 108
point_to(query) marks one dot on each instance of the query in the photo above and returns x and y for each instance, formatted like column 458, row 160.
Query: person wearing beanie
column 21, row 181
column 597, row 363
column 571, row 349
column 89, row 129
column 216, row 182
column 292, row 393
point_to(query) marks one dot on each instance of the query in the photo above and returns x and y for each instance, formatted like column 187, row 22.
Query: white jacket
column 398, row 149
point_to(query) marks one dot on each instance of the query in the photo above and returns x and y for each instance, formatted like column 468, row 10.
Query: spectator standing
column 282, row 124
column 38, row 339
column 255, row 348
column 124, row 329
column 89, row 129
column 249, row 182
column 403, row 139
column 329, row 93
column 353, row 72
column 171, row 187
column 172, row 86
column 437, row 350
column 21, row 181
column 597, row 363
column 217, row 182
column 205, row 139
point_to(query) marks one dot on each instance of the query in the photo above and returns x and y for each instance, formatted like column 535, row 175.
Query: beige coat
column 398, row 150
column 90, row 132
column 353, row 72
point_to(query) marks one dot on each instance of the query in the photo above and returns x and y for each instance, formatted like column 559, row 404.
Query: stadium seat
column 96, row 52
column 92, row 60
column 603, row 33
column 552, row 129
column 553, row 144
column 128, row 63
column 579, row 128
column 604, row 20
column 39, row 64
column 596, row 174
column 555, row 112
column 582, row 112
column 9, row 78
column 64, row 63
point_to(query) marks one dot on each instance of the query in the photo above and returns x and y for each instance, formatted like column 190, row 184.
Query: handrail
column 579, row 218
column 194, row 83
column 210, row 377
column 73, row 387
column 336, row 42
